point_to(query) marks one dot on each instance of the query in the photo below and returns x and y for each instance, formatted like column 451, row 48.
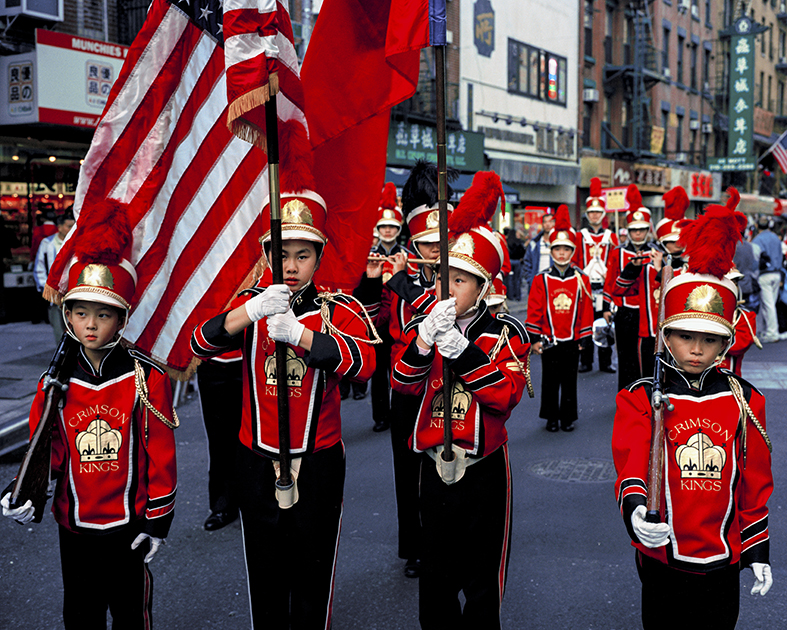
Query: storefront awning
column 521, row 169
column 399, row 176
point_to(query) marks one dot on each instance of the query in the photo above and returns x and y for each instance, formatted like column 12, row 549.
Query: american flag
column 779, row 149
column 194, row 187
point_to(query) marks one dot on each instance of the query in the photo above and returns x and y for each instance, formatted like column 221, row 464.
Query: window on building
column 665, row 50
column 693, row 69
column 707, row 12
column 625, row 124
column 780, row 99
column 587, row 117
column 769, row 103
column 782, row 45
column 131, row 16
column 679, row 69
column 679, row 135
column 588, row 28
column 692, row 144
column 770, row 41
column 705, row 69
column 537, row 73
column 762, row 39
column 760, row 90
column 610, row 17
column 665, row 126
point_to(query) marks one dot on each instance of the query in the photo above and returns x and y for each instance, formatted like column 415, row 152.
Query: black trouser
column 406, row 465
column 381, row 381
column 680, row 600
column 291, row 554
column 467, row 542
column 604, row 354
column 627, row 341
column 125, row 587
column 559, row 382
column 647, row 358
column 221, row 397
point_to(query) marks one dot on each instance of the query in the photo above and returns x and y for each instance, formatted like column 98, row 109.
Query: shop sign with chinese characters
column 741, row 112
column 408, row 142
column 647, row 178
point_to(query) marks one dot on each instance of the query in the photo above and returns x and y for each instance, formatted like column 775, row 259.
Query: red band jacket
column 644, row 282
column 560, row 306
column 313, row 377
column 617, row 290
column 717, row 476
column 745, row 331
column 114, row 461
column 487, row 385
column 409, row 296
column 593, row 250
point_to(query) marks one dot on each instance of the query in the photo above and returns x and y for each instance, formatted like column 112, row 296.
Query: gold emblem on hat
column 562, row 302
column 95, row 275
column 464, row 245
column 389, row 214
column 296, row 369
column 705, row 299
column 433, row 220
column 296, row 211
column 638, row 216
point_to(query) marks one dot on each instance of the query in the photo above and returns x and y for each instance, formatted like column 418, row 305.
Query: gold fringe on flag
column 244, row 128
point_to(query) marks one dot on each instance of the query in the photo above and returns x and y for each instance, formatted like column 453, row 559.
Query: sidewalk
column 25, row 352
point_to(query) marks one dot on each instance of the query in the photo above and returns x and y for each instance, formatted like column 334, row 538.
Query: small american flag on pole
column 779, row 149
column 174, row 143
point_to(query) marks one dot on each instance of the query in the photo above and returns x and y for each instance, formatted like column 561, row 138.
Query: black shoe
column 552, row 426
column 359, row 395
column 567, row 427
column 608, row 369
column 380, row 426
column 344, row 396
column 412, row 568
column 217, row 520
column 584, row 368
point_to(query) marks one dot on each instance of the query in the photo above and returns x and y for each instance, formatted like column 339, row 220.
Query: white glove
column 440, row 319
column 22, row 514
column 762, row 573
column 285, row 327
column 274, row 299
column 451, row 344
column 155, row 543
column 651, row 535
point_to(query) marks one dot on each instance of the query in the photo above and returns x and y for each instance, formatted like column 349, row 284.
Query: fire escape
column 638, row 74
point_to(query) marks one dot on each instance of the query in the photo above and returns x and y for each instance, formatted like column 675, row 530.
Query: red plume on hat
column 562, row 233
column 594, row 201
column 562, row 218
column 104, row 233
column 711, row 239
column 388, row 198
column 478, row 204
column 676, row 202
column 633, row 197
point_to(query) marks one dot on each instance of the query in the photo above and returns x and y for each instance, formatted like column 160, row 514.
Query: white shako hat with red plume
column 497, row 292
column 595, row 202
column 100, row 269
column 638, row 216
column 388, row 213
column 562, row 233
column 676, row 202
column 474, row 248
column 303, row 211
column 420, row 201
column 704, row 300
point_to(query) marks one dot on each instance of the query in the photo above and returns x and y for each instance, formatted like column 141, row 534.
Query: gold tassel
column 142, row 392
column 327, row 298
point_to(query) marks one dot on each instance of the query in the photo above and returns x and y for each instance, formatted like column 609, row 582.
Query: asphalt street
column 571, row 562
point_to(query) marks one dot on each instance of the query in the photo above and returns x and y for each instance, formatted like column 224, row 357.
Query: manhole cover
column 575, row 470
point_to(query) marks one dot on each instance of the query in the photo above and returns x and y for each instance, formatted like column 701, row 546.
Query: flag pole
column 442, row 200
column 284, row 484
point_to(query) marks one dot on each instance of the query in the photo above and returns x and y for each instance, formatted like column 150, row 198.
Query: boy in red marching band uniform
column 113, row 450
column 409, row 294
column 745, row 322
column 560, row 306
column 290, row 552
column 643, row 277
column 486, row 356
column 717, row 466
column 594, row 245
column 617, row 290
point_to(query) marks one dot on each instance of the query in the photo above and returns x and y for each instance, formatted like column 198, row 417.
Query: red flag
column 363, row 58
column 163, row 146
